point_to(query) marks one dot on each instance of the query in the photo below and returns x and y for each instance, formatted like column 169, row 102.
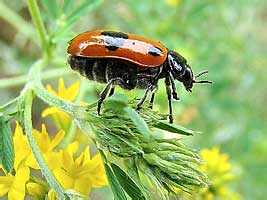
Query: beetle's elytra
column 130, row 61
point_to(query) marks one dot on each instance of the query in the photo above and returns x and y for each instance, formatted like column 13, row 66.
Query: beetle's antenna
column 203, row 81
column 200, row 74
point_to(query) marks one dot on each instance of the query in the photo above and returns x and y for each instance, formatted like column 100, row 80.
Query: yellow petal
column 82, row 186
column 50, row 90
column 72, row 91
column 84, row 156
column 36, row 190
column 17, row 191
column 57, row 139
column 53, row 160
column 64, row 179
column 31, row 162
column 22, row 149
column 5, row 184
column 49, row 111
column 42, row 139
column 61, row 88
column 51, row 195
column 15, row 195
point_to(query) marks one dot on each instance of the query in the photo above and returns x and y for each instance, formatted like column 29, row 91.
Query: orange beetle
column 130, row 61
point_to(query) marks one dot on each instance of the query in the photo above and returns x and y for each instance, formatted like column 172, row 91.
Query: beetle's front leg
column 140, row 103
column 169, row 94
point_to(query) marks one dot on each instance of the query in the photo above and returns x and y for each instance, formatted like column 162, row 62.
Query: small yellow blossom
column 22, row 149
column 47, row 146
column 172, row 2
column 14, row 185
column 61, row 118
column 36, row 190
column 81, row 174
column 51, row 195
column 218, row 168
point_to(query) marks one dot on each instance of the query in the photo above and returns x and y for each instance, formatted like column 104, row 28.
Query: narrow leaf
column 116, row 188
column 127, row 183
column 138, row 121
column 51, row 8
column 6, row 146
column 67, row 6
column 84, row 8
column 173, row 128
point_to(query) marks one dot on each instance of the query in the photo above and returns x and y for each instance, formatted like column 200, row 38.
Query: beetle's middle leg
column 140, row 103
column 112, row 90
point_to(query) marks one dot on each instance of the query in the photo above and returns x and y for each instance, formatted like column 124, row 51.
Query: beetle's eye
column 187, row 75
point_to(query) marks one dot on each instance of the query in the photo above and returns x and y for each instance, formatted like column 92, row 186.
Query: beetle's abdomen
column 128, row 75
column 91, row 68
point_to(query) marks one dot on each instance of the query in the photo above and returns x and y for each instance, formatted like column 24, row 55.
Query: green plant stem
column 19, row 80
column 34, row 147
column 36, row 17
column 10, row 103
column 68, row 138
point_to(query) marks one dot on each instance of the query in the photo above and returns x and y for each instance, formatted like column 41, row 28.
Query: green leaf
column 116, row 188
column 116, row 103
column 51, row 8
column 6, row 145
column 84, row 8
column 174, row 128
column 127, row 183
column 138, row 121
column 68, row 4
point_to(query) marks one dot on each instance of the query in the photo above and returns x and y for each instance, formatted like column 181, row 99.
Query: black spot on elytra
column 114, row 40
column 155, row 51
column 113, row 44
column 115, row 34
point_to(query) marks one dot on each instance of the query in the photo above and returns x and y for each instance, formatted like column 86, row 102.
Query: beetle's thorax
column 180, row 69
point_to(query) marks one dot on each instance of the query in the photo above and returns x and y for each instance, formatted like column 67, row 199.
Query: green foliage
column 6, row 145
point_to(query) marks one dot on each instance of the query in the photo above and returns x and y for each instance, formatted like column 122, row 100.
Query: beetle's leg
column 140, row 103
column 169, row 95
column 174, row 91
column 152, row 97
column 104, row 93
column 112, row 90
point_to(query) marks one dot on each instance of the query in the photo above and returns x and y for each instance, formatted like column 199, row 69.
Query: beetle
column 130, row 61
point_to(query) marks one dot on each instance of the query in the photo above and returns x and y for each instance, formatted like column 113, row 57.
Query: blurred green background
column 229, row 38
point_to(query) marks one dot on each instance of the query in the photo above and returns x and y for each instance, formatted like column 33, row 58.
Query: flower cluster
column 73, row 167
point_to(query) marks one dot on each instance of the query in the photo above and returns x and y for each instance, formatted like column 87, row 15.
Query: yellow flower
column 22, row 149
column 61, row 118
column 47, row 147
column 218, row 168
column 14, row 185
column 36, row 190
column 51, row 195
column 81, row 174
column 172, row 2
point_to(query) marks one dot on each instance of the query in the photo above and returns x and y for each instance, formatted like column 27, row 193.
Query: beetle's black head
column 182, row 71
